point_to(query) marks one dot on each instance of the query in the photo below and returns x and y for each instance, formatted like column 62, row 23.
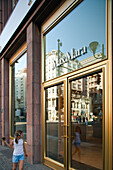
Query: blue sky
column 22, row 63
column 86, row 23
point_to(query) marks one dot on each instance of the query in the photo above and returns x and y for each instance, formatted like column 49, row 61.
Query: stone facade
column 5, row 97
column 34, row 93
column 29, row 32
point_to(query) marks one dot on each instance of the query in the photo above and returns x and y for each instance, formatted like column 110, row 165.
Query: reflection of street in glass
column 90, row 148
column 76, row 142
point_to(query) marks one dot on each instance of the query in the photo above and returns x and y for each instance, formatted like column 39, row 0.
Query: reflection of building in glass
column 20, row 89
column 52, row 97
column 91, row 59
column 83, row 91
column 55, row 97
column 79, row 97
column 86, row 97
column 52, row 72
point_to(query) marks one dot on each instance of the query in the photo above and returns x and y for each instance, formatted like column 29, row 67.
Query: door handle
column 65, row 136
column 65, row 131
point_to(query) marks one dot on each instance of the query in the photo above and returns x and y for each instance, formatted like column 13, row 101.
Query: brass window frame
column 21, row 51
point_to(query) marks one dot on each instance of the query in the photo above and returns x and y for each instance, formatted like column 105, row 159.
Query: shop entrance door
column 86, row 121
column 55, row 116
column 73, row 122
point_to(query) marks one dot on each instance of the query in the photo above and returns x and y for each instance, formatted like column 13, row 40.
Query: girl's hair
column 17, row 134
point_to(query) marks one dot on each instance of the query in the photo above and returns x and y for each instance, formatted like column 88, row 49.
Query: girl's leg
column 15, row 166
column 21, row 164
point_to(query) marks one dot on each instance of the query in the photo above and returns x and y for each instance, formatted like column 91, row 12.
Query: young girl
column 19, row 150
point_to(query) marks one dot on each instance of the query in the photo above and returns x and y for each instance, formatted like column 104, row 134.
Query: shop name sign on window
column 69, row 56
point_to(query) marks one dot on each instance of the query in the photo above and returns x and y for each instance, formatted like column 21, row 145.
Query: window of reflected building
column 78, row 40
column 18, row 95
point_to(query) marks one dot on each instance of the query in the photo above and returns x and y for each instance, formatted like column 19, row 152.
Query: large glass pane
column 78, row 40
column 87, row 122
column 54, row 122
column 18, row 102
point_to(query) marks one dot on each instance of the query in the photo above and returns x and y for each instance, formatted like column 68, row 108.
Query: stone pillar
column 0, row 16
column 5, row 97
column 4, row 12
column 33, row 93
column 9, row 7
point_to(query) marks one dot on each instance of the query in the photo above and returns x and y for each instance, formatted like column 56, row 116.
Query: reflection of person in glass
column 77, row 142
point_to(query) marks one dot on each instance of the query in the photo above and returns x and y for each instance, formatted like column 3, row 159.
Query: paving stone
column 6, row 161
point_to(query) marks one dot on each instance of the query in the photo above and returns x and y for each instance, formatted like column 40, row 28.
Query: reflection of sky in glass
column 82, row 26
column 21, row 63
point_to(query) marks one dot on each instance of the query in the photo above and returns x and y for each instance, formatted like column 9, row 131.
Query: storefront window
column 18, row 97
column 78, row 40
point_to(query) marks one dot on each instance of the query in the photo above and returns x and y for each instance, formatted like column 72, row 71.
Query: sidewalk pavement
column 6, row 161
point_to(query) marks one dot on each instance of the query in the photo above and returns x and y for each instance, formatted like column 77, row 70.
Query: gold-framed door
column 100, row 68
column 55, row 128
column 86, row 119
